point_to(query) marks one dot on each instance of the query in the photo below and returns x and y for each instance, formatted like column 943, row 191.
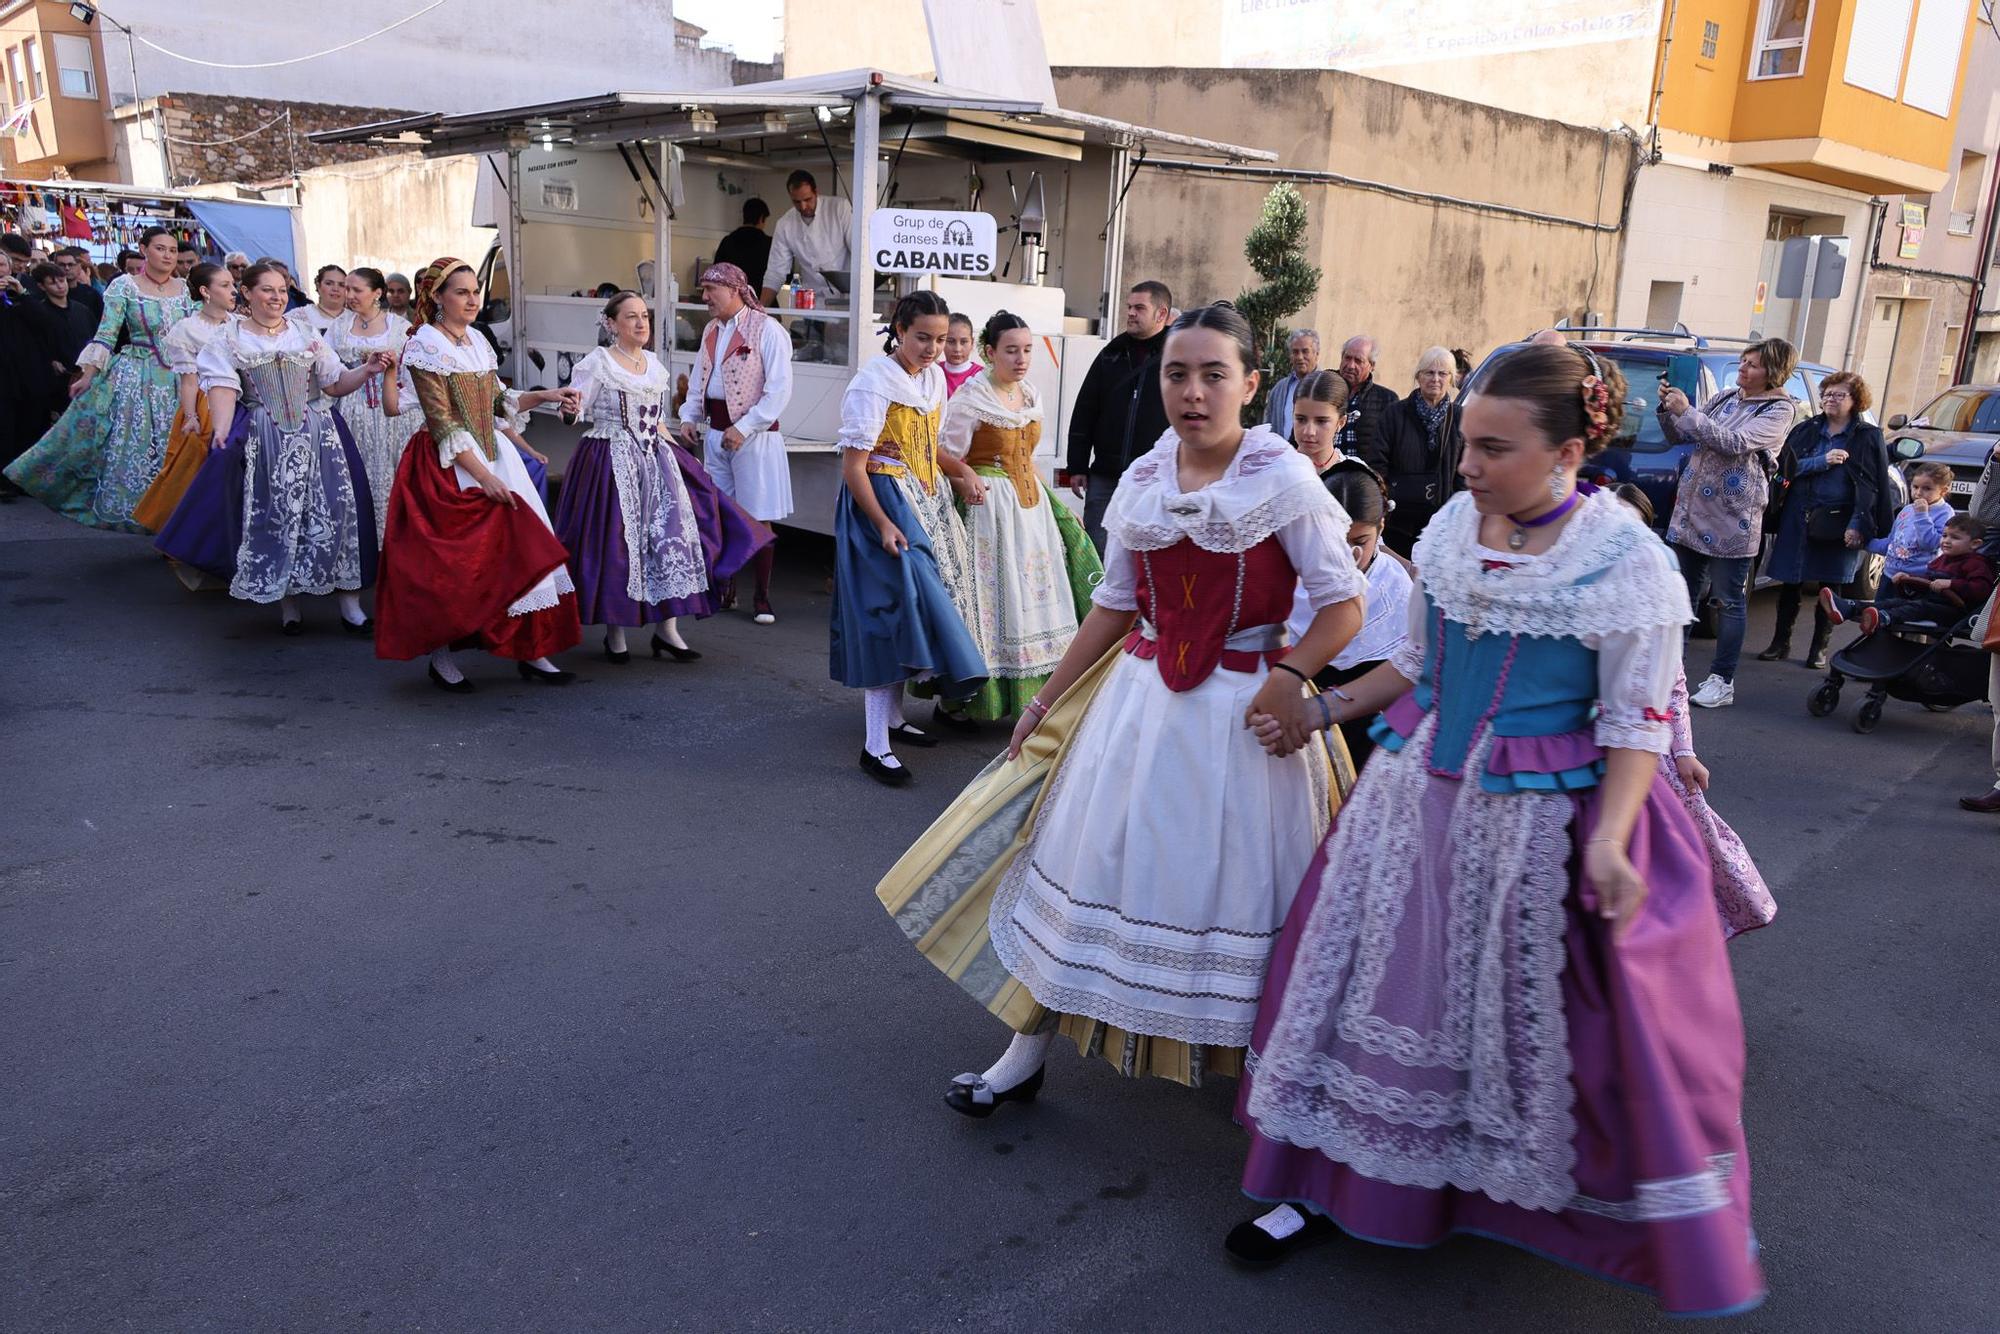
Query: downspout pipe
column 1878, row 208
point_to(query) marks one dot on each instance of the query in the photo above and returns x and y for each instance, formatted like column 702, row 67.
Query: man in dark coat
column 1368, row 405
column 749, row 246
column 1118, row 413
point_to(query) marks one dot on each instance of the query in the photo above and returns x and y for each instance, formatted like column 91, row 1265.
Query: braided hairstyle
column 909, row 310
column 1572, row 392
column 1003, row 321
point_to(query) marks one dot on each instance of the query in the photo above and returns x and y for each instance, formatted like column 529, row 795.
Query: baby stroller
column 1922, row 661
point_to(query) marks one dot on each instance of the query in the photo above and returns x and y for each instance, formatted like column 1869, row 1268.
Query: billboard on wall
column 1353, row 35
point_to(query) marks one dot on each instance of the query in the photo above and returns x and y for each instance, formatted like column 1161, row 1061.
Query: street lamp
column 83, row 13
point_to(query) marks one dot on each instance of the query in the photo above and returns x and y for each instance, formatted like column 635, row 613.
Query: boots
column 1781, row 634
column 1822, row 632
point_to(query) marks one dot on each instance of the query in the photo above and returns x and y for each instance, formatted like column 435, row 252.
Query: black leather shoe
column 462, row 686
column 661, row 646
column 1780, row 650
column 1986, row 803
column 969, row 1096
column 912, row 736
column 882, row 773
column 620, row 656
column 366, row 627
column 540, row 677
column 953, row 722
column 292, row 629
column 1251, row 1245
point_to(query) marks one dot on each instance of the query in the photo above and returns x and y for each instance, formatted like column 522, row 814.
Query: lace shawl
column 1267, row 486
column 976, row 402
column 1606, row 574
column 183, row 343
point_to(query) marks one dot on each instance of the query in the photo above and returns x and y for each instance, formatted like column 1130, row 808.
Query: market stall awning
column 257, row 230
column 778, row 114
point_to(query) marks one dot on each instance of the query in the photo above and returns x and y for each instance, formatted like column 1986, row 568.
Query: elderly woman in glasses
column 1423, row 449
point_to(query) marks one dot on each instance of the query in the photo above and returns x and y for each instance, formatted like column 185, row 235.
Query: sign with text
column 929, row 240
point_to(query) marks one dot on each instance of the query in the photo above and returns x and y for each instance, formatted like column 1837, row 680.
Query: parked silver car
column 1961, row 429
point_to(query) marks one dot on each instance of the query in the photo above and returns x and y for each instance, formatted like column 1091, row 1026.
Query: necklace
column 625, row 360
column 269, row 330
column 1519, row 537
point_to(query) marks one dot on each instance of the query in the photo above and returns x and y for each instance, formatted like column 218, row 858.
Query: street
column 333, row 1002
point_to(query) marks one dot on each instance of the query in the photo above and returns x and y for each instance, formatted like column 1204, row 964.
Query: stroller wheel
column 1824, row 700
column 1868, row 715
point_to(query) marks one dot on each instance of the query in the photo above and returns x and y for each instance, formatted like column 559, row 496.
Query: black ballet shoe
column 677, row 654
column 969, row 1095
column 292, row 629
column 911, row 735
column 619, row 656
column 542, row 678
column 1255, row 1248
column 954, row 722
column 882, row 773
column 364, row 626
column 462, row 686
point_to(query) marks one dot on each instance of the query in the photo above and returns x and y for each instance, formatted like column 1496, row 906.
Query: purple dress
column 1741, row 896
column 1450, row 1039
column 648, row 533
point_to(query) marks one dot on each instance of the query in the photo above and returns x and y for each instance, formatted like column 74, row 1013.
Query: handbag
column 1826, row 523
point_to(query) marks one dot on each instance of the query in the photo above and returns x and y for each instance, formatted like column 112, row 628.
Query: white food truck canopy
column 781, row 114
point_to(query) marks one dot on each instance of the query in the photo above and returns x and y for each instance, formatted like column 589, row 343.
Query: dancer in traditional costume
column 97, row 461
column 744, row 374
column 470, row 558
column 281, row 474
column 1032, row 566
column 1742, row 898
column 188, row 442
column 330, row 286
column 1501, row 1004
column 378, row 418
column 958, row 365
column 893, row 617
column 1134, row 910
column 648, row 532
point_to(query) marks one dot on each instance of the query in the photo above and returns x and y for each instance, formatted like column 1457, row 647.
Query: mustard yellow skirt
column 940, row 894
column 187, row 450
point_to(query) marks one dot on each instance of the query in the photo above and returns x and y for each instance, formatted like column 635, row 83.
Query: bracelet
column 1617, row 841
column 1287, row 667
column 1326, row 718
column 1036, row 707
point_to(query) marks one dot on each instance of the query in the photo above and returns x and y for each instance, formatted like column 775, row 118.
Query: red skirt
column 453, row 561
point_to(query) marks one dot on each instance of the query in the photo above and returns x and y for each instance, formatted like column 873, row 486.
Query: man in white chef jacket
column 741, row 383
column 811, row 241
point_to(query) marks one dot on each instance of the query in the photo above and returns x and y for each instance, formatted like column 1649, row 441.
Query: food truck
column 994, row 202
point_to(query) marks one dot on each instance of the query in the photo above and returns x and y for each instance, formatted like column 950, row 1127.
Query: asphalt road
column 331, row 1002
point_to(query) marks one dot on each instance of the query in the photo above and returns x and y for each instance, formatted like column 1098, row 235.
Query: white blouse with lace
column 1608, row 582
column 1268, row 490
column 430, row 349
column 183, row 343
column 239, row 344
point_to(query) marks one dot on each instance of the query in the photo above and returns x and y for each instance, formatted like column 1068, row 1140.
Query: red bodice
column 1196, row 599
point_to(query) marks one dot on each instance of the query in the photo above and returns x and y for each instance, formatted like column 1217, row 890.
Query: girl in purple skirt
column 1501, row 1004
column 647, row 531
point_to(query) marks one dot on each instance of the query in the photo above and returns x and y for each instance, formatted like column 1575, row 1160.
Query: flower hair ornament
column 1596, row 396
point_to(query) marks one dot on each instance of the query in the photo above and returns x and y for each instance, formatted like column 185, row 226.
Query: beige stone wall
column 1589, row 84
column 1410, row 272
column 213, row 138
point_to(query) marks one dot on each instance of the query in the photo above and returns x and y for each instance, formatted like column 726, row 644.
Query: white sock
column 670, row 633
column 447, row 666
column 614, row 638
column 288, row 609
column 1024, row 1056
column 1282, row 1222
column 881, row 703
column 544, row 665
column 350, row 609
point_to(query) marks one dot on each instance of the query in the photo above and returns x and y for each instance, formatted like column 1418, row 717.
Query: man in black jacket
column 1368, row 405
column 1118, row 414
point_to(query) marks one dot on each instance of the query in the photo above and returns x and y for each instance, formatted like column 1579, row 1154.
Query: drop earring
column 1556, row 483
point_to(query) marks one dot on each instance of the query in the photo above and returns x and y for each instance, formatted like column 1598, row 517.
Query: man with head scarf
column 741, row 383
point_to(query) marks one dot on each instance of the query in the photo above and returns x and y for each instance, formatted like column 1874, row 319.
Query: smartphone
column 1684, row 373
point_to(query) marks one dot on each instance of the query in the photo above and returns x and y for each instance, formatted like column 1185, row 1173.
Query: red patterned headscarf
column 430, row 281
column 728, row 275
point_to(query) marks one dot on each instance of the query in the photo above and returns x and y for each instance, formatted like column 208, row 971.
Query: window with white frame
column 36, row 85
column 1779, row 48
column 16, row 72
column 76, row 71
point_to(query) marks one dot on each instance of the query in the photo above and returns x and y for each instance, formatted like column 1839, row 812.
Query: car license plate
column 1961, row 488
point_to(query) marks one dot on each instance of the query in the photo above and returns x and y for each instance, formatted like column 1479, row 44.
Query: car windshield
column 1640, row 431
column 1961, row 410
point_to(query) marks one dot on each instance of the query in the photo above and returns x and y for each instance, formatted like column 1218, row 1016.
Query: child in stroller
column 1956, row 583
